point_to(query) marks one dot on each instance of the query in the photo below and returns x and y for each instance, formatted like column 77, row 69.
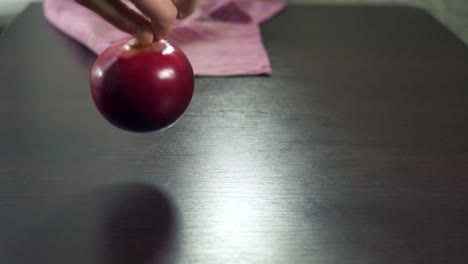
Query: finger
column 185, row 7
column 122, row 17
column 162, row 14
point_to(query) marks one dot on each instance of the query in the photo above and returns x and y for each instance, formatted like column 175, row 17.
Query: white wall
column 9, row 8
column 13, row 6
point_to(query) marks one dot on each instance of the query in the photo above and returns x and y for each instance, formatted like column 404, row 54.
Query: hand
column 151, row 21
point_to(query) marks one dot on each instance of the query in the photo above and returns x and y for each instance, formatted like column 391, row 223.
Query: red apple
column 142, row 88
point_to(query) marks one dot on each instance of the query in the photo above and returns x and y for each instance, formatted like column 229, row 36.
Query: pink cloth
column 221, row 38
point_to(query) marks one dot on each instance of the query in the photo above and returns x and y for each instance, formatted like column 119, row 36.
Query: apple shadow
column 128, row 223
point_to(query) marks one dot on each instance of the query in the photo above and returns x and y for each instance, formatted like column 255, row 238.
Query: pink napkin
column 222, row 37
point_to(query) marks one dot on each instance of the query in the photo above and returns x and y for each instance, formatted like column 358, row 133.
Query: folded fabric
column 222, row 37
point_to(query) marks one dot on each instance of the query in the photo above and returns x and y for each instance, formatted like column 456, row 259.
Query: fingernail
column 145, row 37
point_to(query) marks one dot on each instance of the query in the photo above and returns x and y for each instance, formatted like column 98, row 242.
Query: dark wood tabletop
column 354, row 151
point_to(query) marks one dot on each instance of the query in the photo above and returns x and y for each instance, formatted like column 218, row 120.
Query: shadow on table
column 118, row 224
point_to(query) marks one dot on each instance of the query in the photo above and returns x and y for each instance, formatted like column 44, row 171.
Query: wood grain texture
column 354, row 151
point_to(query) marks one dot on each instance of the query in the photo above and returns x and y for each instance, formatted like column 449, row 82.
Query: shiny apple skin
column 142, row 89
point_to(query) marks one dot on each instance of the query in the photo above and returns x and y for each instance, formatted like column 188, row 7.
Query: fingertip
column 145, row 37
column 161, row 32
column 162, row 14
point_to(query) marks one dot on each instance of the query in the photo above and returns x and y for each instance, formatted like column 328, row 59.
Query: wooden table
column 354, row 151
